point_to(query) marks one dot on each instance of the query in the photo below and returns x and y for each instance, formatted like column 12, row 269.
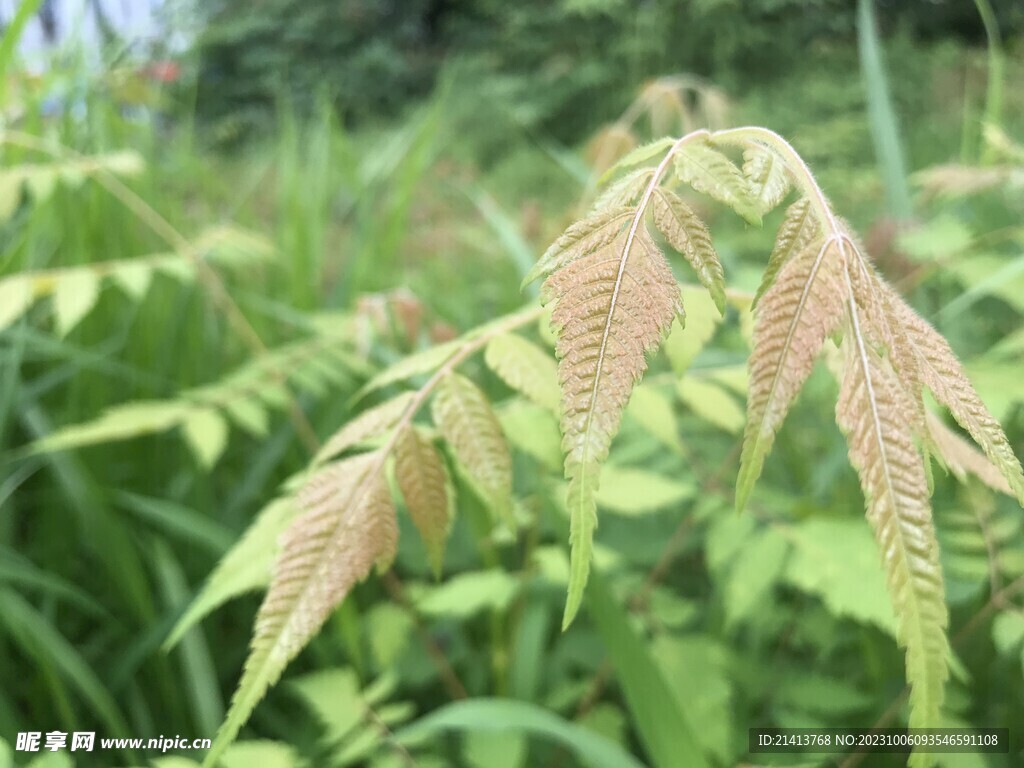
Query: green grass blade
column 663, row 728
column 884, row 129
column 489, row 715
column 38, row 637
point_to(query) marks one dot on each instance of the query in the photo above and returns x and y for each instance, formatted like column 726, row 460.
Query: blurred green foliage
column 561, row 68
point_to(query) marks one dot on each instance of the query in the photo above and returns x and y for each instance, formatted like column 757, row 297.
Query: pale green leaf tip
column 744, row 485
column 532, row 275
column 718, row 297
column 752, row 217
column 572, row 607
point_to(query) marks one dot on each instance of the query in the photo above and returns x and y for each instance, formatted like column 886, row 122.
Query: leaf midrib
column 915, row 607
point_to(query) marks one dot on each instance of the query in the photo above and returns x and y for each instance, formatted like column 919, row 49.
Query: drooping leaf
column 962, row 458
column 942, row 373
column 793, row 319
column 685, row 232
column 525, row 367
column 347, row 525
column 872, row 412
column 615, row 298
column 467, row 421
column 424, row 482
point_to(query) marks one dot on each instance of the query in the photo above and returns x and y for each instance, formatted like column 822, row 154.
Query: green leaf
column 696, row 670
column 838, row 561
column 118, row 423
column 526, row 368
column 74, row 295
column 881, row 115
column 632, row 491
column 248, row 414
column 265, row 754
column 665, row 729
column 757, row 567
column 134, row 278
column 15, row 298
column 1008, row 632
column 335, row 698
column 494, row 749
column 424, row 361
column 39, row 639
column 712, row 403
column 206, row 433
column 469, row 593
column 465, row 417
column 702, row 319
column 533, row 430
column 711, row 173
column 52, row 760
column 652, row 410
column 501, row 715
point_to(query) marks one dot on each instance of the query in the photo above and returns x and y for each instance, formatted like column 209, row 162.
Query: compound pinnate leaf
column 614, row 300
column 347, row 525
